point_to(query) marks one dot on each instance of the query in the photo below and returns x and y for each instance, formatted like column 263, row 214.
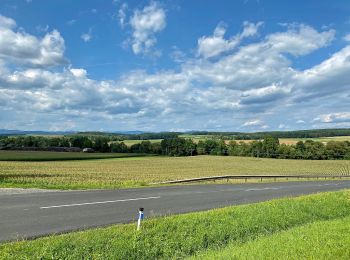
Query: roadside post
column 140, row 219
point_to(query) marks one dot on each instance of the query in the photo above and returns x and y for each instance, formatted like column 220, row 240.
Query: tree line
column 314, row 133
column 269, row 147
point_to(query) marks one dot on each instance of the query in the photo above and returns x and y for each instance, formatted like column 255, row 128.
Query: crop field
column 288, row 141
column 291, row 141
column 308, row 227
column 57, row 156
column 140, row 171
column 131, row 142
column 321, row 139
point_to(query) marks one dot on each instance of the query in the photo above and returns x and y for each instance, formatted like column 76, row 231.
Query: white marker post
column 140, row 219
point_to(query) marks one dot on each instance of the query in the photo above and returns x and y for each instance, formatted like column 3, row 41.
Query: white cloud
column 79, row 73
column 347, row 37
column 214, row 45
column 300, row 40
column 319, row 80
column 22, row 48
column 264, row 95
column 86, row 37
column 177, row 55
column 7, row 23
column 252, row 87
column 255, row 124
column 334, row 118
column 211, row 46
column 122, row 14
column 250, row 29
column 145, row 24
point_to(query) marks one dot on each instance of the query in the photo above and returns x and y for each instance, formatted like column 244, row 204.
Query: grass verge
column 319, row 240
column 185, row 235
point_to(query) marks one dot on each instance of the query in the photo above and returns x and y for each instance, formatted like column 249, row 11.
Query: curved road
column 40, row 213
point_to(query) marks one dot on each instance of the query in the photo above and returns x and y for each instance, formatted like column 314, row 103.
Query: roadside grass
column 59, row 156
column 140, row 171
column 180, row 236
column 318, row 240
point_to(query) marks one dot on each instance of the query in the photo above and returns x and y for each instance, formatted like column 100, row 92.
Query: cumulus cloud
column 320, row 80
column 264, row 95
column 211, row 46
column 255, row 124
column 22, row 48
column 250, row 29
column 250, row 87
column 145, row 24
column 79, row 73
column 300, row 40
column 334, row 118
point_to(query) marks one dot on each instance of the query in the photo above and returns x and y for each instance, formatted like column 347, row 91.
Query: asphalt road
column 37, row 214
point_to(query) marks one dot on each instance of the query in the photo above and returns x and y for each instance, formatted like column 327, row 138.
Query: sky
column 174, row 65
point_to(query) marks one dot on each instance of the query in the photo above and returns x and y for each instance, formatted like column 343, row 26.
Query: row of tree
column 98, row 143
column 314, row 133
column 269, row 147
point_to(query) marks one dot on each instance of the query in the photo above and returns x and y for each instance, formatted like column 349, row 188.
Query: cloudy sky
column 114, row 65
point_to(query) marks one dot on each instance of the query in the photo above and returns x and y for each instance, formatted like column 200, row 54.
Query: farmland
column 58, row 156
column 293, row 227
column 131, row 142
column 140, row 171
column 288, row 141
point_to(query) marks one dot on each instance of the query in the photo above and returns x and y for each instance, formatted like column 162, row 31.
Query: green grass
column 140, row 171
column 190, row 234
column 58, row 156
column 319, row 240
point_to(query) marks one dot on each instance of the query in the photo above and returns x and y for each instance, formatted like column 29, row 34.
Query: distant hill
column 141, row 135
column 20, row 132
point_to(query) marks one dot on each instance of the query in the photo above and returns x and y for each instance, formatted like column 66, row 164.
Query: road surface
column 40, row 213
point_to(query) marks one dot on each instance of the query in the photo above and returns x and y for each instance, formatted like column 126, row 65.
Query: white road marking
column 97, row 202
column 263, row 189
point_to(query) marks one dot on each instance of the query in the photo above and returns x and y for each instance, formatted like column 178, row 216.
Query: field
column 58, row 156
column 140, row 171
column 131, row 142
column 289, row 141
column 277, row 229
column 321, row 139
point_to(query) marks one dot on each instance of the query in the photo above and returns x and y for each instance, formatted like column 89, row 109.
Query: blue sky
column 249, row 65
